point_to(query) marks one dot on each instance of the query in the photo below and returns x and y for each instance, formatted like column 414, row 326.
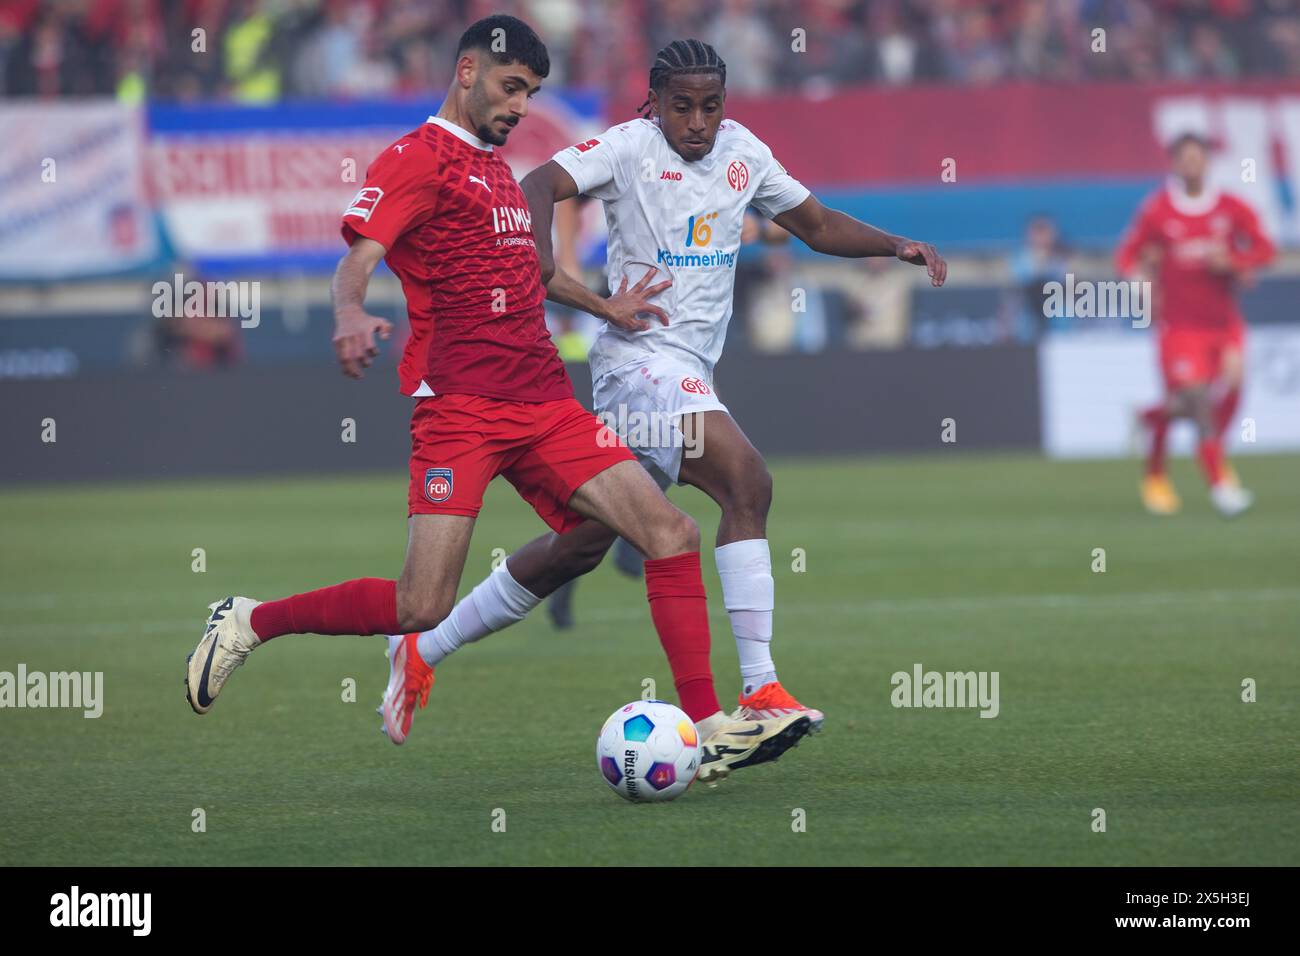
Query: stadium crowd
column 263, row 50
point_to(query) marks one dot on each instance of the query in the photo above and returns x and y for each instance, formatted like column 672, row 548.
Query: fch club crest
column 437, row 484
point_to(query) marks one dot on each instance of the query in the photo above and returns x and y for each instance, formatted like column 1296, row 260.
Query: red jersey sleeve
column 1259, row 249
column 401, row 191
column 1141, row 232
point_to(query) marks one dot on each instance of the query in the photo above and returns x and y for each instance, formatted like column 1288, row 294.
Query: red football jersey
column 1186, row 230
column 459, row 237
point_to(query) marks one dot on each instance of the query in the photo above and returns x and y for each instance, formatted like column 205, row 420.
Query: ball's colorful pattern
column 648, row 751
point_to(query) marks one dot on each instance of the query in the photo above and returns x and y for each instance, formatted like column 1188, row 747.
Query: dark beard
column 489, row 135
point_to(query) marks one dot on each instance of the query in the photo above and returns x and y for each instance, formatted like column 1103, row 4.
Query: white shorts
column 644, row 401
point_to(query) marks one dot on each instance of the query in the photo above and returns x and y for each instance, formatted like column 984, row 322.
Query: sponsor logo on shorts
column 437, row 484
column 695, row 386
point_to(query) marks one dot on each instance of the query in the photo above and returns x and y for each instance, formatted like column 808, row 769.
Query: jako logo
column 102, row 909
column 698, row 231
column 673, row 175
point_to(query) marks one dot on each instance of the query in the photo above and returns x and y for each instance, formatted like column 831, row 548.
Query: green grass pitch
column 1118, row 690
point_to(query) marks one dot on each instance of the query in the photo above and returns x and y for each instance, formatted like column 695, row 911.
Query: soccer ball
column 648, row 751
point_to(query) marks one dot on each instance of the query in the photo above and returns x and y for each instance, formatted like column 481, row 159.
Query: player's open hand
column 924, row 254
column 355, row 340
column 625, row 306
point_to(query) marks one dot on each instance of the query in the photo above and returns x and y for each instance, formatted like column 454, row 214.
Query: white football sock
column 748, row 592
column 495, row 603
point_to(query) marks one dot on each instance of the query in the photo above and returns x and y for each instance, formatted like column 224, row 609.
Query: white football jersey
column 682, row 218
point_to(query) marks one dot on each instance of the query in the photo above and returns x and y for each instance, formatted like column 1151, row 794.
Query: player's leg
column 1227, row 396
column 459, row 444
column 1221, row 372
column 436, row 549
column 559, row 606
column 515, row 587
column 726, row 466
column 1158, row 493
column 365, row 606
column 577, row 469
column 1229, row 387
column 627, row 500
column 1159, row 496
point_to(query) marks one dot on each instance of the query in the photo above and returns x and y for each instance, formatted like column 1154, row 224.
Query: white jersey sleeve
column 777, row 191
column 603, row 166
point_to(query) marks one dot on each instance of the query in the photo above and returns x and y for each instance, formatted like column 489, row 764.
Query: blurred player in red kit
column 443, row 209
column 1198, row 245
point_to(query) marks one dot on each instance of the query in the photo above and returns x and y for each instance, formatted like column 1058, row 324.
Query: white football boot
column 744, row 743
column 1231, row 499
column 227, row 640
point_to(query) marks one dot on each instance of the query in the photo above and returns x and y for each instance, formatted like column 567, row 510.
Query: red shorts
column 1195, row 356
column 459, row 443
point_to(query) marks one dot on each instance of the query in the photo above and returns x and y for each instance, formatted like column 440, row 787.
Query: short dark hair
column 516, row 42
column 1190, row 136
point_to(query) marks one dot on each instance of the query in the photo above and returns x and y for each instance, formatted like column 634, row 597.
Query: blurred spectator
column 251, row 75
column 972, row 51
column 1204, row 56
column 1042, row 259
column 197, row 342
column 261, row 50
column 750, row 44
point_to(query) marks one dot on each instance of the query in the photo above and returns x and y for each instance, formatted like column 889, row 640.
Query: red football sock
column 1158, row 422
column 364, row 606
column 1211, row 455
column 1225, row 409
column 675, row 589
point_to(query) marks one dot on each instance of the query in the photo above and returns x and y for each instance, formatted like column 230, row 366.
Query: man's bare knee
column 421, row 611
column 675, row 533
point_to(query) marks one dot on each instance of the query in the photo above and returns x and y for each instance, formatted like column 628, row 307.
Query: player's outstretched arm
column 354, row 329
column 546, row 185
column 543, row 188
column 622, row 310
column 833, row 233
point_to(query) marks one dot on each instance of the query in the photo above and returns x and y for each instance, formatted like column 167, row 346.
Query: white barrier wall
column 1091, row 385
